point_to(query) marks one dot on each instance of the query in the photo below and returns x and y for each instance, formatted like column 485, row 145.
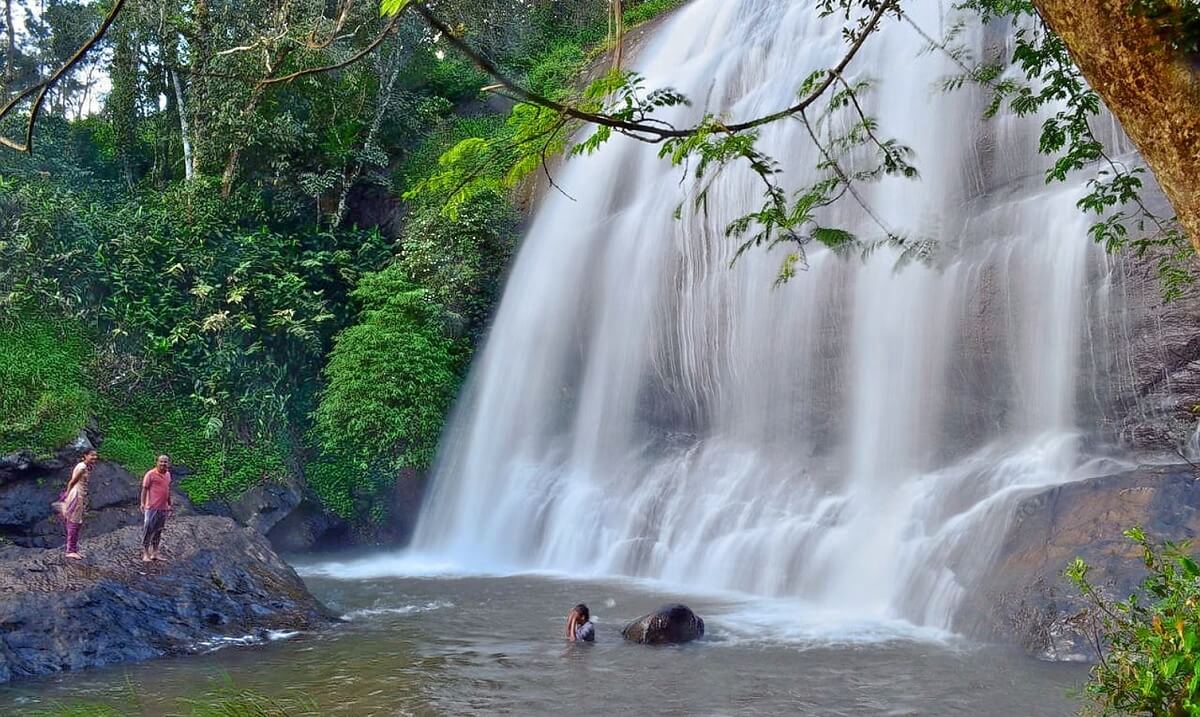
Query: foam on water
column 374, row 612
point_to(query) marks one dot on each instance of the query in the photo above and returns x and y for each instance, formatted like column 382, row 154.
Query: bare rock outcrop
column 221, row 581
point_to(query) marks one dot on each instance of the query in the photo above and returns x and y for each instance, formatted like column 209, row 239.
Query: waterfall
column 855, row 438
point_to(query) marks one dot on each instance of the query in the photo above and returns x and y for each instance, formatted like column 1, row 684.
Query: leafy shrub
column 215, row 318
column 461, row 262
column 389, row 383
column 45, row 398
column 648, row 10
column 1150, row 642
column 239, row 309
column 138, row 427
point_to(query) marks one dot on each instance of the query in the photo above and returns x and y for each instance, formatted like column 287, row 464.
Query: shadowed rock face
column 221, row 580
column 1025, row 596
column 670, row 624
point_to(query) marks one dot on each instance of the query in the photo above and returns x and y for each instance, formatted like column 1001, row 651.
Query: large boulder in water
column 223, row 582
column 670, row 624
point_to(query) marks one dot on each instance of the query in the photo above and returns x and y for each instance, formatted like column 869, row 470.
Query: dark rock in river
column 222, row 581
column 670, row 624
column 1024, row 596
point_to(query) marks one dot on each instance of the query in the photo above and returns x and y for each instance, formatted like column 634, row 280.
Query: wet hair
column 582, row 611
column 91, row 452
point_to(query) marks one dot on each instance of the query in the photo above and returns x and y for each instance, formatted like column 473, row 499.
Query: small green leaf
column 392, row 7
column 1171, row 666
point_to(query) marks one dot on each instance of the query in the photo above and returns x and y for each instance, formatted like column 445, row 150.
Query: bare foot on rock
column 74, row 556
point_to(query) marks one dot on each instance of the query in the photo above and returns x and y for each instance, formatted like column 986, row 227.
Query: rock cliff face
column 1150, row 362
column 1024, row 596
column 221, row 581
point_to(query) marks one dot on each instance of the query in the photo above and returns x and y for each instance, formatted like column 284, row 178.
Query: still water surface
column 433, row 645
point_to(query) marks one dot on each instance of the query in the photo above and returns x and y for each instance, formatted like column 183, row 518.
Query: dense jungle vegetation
column 210, row 252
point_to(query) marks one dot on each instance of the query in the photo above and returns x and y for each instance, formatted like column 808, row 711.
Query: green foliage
column 48, row 392
column 557, row 73
column 648, row 10
column 496, row 161
column 422, row 159
column 240, row 310
column 1052, row 81
column 393, row 7
column 45, row 397
column 460, row 263
column 1149, row 642
column 197, row 301
column 389, row 383
column 1177, row 23
column 139, row 426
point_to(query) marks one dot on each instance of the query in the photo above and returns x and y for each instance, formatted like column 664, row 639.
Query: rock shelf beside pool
column 222, row 581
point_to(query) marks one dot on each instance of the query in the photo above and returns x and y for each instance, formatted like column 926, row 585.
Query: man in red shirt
column 156, row 506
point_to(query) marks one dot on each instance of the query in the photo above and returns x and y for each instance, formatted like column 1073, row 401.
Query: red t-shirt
column 158, row 495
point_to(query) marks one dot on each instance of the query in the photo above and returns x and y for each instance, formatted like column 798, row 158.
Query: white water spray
column 856, row 438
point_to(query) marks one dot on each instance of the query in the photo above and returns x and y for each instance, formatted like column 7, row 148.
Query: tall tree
column 123, row 98
column 10, row 45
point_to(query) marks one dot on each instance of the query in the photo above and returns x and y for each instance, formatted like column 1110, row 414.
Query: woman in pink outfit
column 75, row 502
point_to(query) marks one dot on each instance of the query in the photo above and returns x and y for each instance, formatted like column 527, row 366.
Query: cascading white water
column 855, row 438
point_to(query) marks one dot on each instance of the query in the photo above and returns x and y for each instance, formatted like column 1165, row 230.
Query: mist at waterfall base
column 854, row 441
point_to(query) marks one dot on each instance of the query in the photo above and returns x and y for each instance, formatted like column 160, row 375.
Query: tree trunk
column 10, row 47
column 388, row 74
column 1155, row 96
column 122, row 99
column 618, row 33
column 199, row 106
column 240, row 140
column 189, row 169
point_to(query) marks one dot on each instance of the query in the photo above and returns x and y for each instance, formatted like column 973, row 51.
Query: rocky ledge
column 1024, row 596
column 221, row 580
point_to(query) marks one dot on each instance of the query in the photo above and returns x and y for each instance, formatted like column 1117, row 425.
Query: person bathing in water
column 74, row 502
column 580, row 627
